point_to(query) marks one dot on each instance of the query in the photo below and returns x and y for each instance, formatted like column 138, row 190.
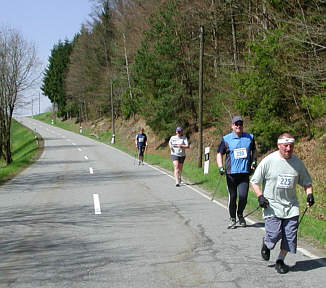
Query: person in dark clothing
column 141, row 144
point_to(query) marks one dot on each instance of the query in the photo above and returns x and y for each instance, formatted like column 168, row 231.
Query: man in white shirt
column 279, row 173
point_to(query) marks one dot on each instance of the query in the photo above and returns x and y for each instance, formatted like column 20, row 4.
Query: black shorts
column 180, row 159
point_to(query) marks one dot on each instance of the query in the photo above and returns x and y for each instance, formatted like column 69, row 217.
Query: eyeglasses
column 238, row 124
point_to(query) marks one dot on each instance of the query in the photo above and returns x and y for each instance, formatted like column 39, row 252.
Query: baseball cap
column 179, row 129
column 236, row 119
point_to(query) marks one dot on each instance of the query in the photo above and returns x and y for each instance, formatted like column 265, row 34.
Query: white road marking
column 91, row 170
column 73, row 144
column 86, row 157
column 97, row 207
column 79, row 149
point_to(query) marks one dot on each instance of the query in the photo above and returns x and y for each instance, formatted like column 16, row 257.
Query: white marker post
column 206, row 164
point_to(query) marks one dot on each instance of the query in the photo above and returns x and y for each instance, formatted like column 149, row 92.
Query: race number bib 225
column 285, row 181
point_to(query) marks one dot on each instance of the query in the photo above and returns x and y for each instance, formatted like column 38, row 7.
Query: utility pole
column 39, row 103
column 200, row 120
column 112, row 115
column 54, row 113
column 32, row 107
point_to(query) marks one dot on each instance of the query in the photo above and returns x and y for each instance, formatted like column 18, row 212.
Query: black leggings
column 141, row 150
column 237, row 184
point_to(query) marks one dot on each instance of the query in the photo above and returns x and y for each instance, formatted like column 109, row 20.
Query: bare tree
column 18, row 73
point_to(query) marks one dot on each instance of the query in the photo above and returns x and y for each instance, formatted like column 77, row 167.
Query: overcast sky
column 44, row 22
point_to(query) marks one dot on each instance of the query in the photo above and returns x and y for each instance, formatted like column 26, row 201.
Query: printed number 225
column 285, row 181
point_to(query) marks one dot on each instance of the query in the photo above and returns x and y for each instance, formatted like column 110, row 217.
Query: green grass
column 311, row 229
column 23, row 148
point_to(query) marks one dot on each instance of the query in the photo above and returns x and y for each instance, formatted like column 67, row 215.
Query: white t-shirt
column 178, row 140
column 279, row 178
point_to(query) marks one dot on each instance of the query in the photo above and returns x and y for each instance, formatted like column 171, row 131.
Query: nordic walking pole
column 218, row 183
column 145, row 154
column 251, row 212
column 136, row 156
column 304, row 212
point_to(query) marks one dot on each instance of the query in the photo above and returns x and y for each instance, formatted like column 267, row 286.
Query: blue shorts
column 285, row 229
column 180, row 159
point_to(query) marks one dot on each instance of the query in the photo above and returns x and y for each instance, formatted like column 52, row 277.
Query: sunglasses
column 238, row 124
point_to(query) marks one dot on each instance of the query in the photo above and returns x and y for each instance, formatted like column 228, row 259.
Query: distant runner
column 240, row 150
column 178, row 143
column 279, row 173
column 141, row 144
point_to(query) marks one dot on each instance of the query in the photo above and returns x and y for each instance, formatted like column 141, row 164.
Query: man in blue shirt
column 141, row 143
column 240, row 159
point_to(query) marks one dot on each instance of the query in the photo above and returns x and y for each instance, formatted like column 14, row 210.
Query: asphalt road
column 84, row 215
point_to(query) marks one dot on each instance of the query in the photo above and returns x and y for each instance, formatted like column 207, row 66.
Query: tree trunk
column 6, row 139
column 8, row 156
column 265, row 18
column 127, row 69
column 200, row 101
column 234, row 40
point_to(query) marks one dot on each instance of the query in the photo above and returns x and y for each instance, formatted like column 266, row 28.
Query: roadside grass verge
column 312, row 229
column 25, row 151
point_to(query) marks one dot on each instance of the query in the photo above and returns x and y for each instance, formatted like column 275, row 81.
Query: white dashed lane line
column 91, row 170
column 97, row 206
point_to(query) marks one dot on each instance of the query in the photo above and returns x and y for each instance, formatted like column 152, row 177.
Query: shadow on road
column 307, row 265
column 44, row 244
column 196, row 183
column 47, row 243
column 77, row 177
column 256, row 225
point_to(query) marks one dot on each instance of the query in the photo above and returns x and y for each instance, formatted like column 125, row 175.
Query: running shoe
column 232, row 223
column 242, row 221
column 265, row 252
column 281, row 267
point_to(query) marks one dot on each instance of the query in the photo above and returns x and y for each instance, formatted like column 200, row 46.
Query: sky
column 44, row 23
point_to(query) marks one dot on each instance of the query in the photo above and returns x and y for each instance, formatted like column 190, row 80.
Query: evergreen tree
column 54, row 75
column 165, row 73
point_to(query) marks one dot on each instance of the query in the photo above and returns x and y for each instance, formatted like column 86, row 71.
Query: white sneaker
column 232, row 224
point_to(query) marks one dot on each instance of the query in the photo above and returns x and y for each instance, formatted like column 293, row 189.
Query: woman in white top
column 178, row 143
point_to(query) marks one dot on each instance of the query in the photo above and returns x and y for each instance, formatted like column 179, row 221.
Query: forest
column 262, row 59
